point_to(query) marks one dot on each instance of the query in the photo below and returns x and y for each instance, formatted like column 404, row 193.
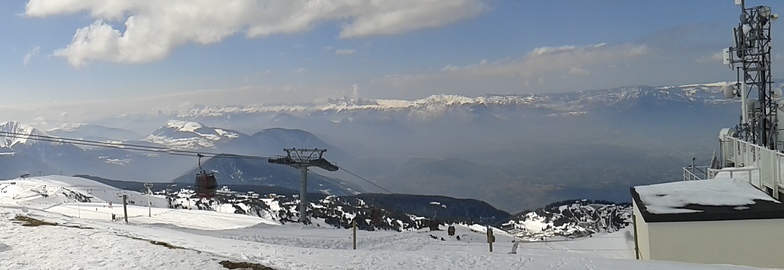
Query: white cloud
column 344, row 52
column 32, row 53
column 153, row 28
column 564, row 59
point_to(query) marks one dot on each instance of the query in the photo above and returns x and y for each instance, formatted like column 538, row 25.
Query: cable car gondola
column 205, row 185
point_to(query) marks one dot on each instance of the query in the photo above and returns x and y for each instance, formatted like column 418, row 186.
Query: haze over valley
column 514, row 151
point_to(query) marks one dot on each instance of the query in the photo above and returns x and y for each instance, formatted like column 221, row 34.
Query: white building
column 725, row 220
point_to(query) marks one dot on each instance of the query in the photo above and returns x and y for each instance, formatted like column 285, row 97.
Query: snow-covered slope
column 89, row 199
column 570, row 219
column 74, row 243
column 62, row 235
column 51, row 190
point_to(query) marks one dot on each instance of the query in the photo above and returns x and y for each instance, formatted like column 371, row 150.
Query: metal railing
column 739, row 153
column 692, row 173
column 751, row 174
column 706, row 172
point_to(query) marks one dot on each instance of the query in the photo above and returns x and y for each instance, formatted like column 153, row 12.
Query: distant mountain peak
column 184, row 126
column 178, row 134
column 68, row 126
column 15, row 133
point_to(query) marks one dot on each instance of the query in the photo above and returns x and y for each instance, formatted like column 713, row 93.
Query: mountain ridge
column 566, row 101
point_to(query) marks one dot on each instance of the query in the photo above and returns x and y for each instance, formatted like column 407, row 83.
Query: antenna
column 751, row 58
column 302, row 159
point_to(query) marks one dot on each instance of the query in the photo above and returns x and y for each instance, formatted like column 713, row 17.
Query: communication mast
column 302, row 159
column 751, row 59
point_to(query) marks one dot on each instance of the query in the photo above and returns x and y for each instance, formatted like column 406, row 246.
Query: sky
column 72, row 60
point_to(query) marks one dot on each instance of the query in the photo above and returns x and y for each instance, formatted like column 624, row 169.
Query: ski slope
column 55, row 189
column 86, row 239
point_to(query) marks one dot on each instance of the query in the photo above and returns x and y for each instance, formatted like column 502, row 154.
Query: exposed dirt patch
column 170, row 246
column 160, row 243
column 32, row 222
column 244, row 265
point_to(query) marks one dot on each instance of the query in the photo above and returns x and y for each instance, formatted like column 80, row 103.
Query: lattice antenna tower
column 751, row 58
column 302, row 159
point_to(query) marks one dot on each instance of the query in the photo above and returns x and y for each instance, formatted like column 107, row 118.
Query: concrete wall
column 641, row 234
column 740, row 242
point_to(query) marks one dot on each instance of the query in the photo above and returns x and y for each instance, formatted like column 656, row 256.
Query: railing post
column 774, row 162
column 777, row 175
column 692, row 166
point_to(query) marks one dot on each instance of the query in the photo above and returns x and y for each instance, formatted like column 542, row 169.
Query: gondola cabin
column 205, row 185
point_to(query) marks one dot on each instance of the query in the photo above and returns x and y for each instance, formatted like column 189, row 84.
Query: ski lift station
column 728, row 212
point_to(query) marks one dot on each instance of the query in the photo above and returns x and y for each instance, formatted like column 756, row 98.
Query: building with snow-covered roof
column 723, row 220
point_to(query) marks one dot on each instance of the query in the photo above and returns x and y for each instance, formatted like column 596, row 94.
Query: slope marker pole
column 125, row 207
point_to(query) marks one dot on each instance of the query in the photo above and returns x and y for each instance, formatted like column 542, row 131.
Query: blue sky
column 76, row 59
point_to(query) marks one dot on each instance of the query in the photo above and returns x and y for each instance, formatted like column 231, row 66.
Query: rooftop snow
column 722, row 198
column 672, row 197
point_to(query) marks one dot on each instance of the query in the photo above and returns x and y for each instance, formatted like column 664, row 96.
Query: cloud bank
column 542, row 69
column 153, row 28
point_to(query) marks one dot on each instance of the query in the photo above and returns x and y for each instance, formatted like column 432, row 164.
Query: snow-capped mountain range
column 569, row 102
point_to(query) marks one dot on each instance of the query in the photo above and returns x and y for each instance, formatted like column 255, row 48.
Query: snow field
column 204, row 238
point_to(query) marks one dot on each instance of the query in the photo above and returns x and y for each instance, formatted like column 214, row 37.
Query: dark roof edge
column 765, row 210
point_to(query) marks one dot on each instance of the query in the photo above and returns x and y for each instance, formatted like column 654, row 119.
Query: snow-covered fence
column 739, row 153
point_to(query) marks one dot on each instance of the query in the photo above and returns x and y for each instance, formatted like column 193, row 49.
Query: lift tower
column 302, row 159
column 752, row 60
